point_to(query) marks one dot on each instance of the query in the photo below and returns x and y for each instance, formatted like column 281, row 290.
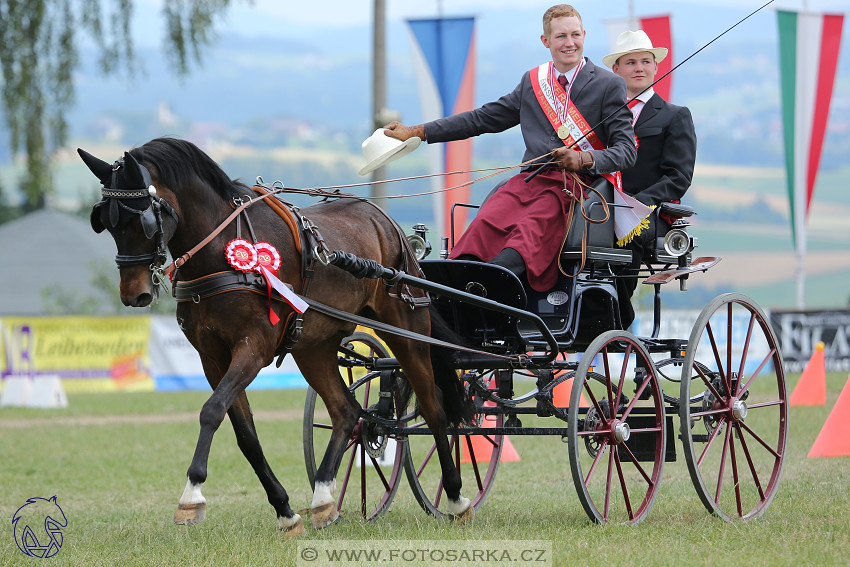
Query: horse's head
column 132, row 211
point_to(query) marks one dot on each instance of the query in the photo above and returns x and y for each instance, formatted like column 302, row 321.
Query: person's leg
column 510, row 259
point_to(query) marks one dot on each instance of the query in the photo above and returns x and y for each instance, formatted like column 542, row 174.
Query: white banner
column 678, row 325
column 176, row 365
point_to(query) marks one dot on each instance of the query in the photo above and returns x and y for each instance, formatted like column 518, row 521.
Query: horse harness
column 310, row 243
column 150, row 217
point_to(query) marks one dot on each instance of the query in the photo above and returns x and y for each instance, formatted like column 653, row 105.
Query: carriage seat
column 600, row 243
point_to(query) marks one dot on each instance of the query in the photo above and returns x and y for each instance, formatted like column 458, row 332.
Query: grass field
column 117, row 464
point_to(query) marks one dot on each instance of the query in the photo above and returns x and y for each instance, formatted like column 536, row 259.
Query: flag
column 444, row 62
column 658, row 30
column 808, row 57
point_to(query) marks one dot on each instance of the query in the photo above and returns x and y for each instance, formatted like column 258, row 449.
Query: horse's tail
column 459, row 409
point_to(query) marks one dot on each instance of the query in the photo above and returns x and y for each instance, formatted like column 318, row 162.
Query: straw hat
column 380, row 149
column 633, row 42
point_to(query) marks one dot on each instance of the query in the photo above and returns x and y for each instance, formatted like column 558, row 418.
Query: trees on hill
column 39, row 52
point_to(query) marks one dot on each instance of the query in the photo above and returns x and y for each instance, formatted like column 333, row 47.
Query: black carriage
column 611, row 395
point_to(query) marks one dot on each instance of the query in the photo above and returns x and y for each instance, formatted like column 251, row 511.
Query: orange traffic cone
column 833, row 439
column 563, row 393
column 811, row 388
column 482, row 447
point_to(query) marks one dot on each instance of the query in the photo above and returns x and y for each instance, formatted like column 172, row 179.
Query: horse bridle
column 150, row 217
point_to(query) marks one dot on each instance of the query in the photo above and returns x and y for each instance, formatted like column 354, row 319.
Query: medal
column 563, row 132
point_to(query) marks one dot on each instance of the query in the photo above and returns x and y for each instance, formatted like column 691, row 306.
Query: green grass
column 118, row 482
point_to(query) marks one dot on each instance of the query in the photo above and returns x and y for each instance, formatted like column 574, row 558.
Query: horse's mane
column 179, row 163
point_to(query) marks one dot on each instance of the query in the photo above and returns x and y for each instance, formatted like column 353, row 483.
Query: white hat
column 633, row 42
column 380, row 149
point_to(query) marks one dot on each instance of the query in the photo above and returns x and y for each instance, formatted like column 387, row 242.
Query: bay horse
column 169, row 193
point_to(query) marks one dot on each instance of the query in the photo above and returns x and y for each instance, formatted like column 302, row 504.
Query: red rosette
column 267, row 256
column 241, row 254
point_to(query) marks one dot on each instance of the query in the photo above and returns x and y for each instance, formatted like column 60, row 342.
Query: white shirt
column 570, row 75
column 643, row 99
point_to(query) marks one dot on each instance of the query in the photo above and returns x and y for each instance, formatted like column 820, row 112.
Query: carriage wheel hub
column 621, row 431
column 739, row 410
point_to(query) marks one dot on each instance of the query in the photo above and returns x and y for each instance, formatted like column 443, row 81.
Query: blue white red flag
column 444, row 60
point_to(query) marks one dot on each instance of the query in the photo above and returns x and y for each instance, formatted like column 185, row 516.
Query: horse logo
column 39, row 513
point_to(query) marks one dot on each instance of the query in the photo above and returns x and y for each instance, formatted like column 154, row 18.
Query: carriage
column 557, row 363
column 609, row 395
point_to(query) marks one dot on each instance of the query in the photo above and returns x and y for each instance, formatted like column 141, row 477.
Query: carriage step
column 699, row 438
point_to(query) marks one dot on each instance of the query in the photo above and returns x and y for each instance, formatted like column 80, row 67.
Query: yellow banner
column 88, row 353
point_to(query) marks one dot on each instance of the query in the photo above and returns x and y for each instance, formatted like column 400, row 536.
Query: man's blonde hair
column 558, row 11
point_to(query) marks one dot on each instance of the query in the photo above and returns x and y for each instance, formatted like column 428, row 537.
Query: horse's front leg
column 244, row 366
column 322, row 373
column 246, row 437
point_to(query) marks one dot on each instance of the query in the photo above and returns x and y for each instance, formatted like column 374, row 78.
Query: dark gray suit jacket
column 596, row 92
column 666, row 153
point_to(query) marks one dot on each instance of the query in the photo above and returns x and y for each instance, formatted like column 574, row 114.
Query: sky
column 269, row 17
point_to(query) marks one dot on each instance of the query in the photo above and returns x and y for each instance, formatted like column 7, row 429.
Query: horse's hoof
column 464, row 517
column 291, row 531
column 190, row 514
column 325, row 515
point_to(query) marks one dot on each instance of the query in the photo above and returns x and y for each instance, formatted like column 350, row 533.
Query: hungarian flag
column 658, row 30
column 808, row 56
column 444, row 61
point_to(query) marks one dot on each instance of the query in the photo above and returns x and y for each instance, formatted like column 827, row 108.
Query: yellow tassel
column 641, row 226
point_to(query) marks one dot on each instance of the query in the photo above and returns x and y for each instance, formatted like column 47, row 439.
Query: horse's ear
column 133, row 172
column 100, row 168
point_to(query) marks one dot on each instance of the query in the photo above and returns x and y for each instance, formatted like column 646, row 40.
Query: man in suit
column 666, row 143
column 521, row 226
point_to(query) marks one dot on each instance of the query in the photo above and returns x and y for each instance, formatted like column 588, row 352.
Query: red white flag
column 658, row 30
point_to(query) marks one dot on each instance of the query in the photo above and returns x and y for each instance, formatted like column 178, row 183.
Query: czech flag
column 444, row 61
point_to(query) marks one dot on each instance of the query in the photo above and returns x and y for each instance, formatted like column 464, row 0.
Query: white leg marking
column 323, row 493
column 192, row 494
column 284, row 523
column 459, row 506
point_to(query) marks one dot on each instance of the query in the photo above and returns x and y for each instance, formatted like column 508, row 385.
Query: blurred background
column 284, row 90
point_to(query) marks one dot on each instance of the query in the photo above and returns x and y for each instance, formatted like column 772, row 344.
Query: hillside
column 283, row 103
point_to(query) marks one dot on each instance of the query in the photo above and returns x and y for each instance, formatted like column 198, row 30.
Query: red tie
column 562, row 80
column 633, row 102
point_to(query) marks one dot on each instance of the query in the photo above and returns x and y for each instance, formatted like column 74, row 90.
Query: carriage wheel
column 735, row 438
column 616, row 456
column 476, row 458
column 674, row 374
column 372, row 463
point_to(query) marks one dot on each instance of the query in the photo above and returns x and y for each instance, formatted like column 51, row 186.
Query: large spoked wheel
column 734, row 439
column 372, row 463
column 616, row 430
column 476, row 457
column 670, row 370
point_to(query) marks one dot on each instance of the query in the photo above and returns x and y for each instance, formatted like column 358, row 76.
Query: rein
column 185, row 257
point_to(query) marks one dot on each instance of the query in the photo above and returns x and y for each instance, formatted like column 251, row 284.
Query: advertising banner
column 176, row 365
column 100, row 354
column 678, row 325
column 800, row 331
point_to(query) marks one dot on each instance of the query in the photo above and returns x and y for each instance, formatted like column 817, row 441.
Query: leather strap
column 185, row 257
column 222, row 282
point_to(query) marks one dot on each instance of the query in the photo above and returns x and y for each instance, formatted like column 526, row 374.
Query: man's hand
column 573, row 160
column 401, row 132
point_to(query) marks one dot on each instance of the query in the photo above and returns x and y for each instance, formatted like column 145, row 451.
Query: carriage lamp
column 420, row 245
column 678, row 243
